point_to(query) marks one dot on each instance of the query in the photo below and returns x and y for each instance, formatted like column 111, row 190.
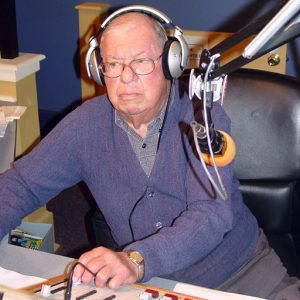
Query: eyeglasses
column 141, row 66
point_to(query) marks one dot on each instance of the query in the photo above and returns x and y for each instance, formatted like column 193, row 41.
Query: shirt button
column 158, row 225
column 150, row 194
column 144, row 146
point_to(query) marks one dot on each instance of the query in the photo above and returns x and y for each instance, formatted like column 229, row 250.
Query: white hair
column 157, row 26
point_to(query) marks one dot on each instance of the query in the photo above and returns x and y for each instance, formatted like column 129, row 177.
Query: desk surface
column 31, row 262
column 46, row 265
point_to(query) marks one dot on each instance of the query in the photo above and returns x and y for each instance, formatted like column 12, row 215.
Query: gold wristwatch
column 138, row 260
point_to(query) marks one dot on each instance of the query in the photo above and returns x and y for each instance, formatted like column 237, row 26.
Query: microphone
column 222, row 145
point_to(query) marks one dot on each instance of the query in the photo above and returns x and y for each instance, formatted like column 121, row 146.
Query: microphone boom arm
column 268, row 38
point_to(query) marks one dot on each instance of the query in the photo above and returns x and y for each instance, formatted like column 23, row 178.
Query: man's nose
column 128, row 74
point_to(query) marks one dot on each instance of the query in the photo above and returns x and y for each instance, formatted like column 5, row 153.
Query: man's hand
column 112, row 269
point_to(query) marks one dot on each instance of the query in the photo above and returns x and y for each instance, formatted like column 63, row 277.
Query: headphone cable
column 170, row 97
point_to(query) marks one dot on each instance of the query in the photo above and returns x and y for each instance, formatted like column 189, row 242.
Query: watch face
column 136, row 256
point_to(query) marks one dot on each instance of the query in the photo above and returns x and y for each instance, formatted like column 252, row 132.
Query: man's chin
column 131, row 110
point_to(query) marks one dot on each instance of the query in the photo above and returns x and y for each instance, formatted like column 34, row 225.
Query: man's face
column 134, row 96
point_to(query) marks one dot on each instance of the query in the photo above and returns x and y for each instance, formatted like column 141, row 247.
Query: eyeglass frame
column 154, row 61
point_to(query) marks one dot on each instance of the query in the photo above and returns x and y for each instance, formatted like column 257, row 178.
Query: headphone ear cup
column 99, row 60
column 171, row 59
column 165, row 60
column 94, row 63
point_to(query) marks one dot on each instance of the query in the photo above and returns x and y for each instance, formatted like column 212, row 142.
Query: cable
column 169, row 101
column 132, row 211
column 70, row 281
column 222, row 193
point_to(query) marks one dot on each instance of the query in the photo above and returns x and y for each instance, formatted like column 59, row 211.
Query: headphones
column 175, row 53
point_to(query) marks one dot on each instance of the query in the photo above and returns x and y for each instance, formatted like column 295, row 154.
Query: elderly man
column 132, row 147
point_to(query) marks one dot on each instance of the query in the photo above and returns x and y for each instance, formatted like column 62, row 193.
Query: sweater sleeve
column 200, row 228
column 40, row 175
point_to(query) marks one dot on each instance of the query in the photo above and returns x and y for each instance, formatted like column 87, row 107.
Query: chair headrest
column 264, row 109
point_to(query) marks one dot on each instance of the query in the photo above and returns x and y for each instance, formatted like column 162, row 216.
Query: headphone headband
column 156, row 14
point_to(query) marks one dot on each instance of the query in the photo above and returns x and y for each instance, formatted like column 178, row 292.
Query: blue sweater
column 173, row 218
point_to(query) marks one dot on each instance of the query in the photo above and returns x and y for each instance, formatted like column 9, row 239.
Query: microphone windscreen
column 227, row 155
